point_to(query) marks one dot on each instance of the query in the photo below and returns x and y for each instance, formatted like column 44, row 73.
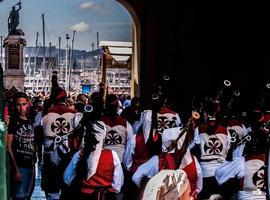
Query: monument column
column 14, row 61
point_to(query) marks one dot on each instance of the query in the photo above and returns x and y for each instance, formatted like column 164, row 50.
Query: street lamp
column 66, row 74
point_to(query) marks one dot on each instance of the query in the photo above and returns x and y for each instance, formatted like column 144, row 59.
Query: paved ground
column 38, row 194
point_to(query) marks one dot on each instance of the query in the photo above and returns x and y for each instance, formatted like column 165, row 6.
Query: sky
column 107, row 17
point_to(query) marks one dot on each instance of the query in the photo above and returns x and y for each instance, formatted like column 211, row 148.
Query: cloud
column 113, row 24
column 103, row 7
column 80, row 27
column 87, row 5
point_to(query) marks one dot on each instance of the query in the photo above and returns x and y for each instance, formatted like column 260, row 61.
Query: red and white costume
column 213, row 148
column 166, row 161
column 193, row 170
column 253, row 183
column 104, row 167
column 57, row 126
column 136, row 153
column 58, row 122
column 266, row 118
column 236, row 167
column 109, row 172
column 237, row 131
column 153, row 166
column 119, row 131
column 166, row 118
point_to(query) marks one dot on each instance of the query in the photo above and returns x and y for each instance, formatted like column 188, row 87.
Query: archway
column 136, row 40
column 136, row 48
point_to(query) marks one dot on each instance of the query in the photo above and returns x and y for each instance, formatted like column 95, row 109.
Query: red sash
column 166, row 161
column 192, row 175
column 103, row 176
column 141, row 154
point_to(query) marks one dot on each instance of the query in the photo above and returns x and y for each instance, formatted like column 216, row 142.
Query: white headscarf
column 93, row 159
column 166, row 185
column 240, row 130
column 169, row 135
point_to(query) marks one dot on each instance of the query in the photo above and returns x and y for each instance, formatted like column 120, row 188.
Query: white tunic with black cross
column 166, row 118
column 57, row 124
column 253, row 183
column 213, row 148
column 119, row 132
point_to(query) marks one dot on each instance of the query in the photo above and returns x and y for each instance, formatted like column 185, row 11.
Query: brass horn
column 266, row 125
column 236, row 93
column 166, row 78
column 155, row 96
column 226, row 83
column 195, row 115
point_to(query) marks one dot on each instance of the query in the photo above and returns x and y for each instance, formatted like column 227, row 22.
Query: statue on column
column 13, row 20
column 14, row 57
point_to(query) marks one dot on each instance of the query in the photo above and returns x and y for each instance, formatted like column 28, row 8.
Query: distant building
column 116, row 65
column 33, row 55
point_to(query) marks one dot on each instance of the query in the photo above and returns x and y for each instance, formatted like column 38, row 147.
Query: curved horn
column 227, row 83
column 195, row 115
column 166, row 78
column 155, row 96
column 236, row 93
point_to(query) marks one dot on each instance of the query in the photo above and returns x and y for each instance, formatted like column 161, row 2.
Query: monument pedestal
column 14, row 59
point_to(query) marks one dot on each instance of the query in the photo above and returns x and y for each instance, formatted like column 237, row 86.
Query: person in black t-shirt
column 21, row 150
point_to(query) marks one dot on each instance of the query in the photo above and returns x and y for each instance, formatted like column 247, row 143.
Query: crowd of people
column 100, row 147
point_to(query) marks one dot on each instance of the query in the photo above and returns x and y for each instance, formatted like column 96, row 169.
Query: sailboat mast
column 66, row 71
column 70, row 61
column 44, row 74
column 35, row 61
column 43, row 34
column 59, row 51
column 50, row 54
column 97, row 50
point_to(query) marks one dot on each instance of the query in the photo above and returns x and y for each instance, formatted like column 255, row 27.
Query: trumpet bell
column 166, row 77
column 236, row 93
column 227, row 83
column 155, row 96
column 88, row 108
column 244, row 114
column 195, row 115
column 248, row 138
